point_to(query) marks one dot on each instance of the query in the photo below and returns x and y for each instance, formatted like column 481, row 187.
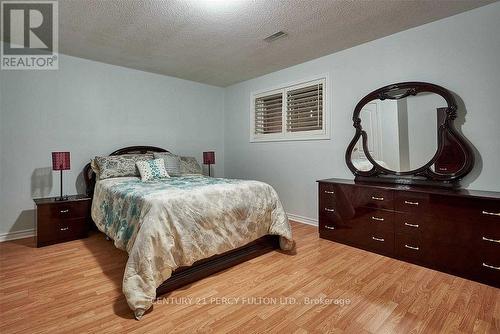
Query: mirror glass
column 402, row 134
column 358, row 157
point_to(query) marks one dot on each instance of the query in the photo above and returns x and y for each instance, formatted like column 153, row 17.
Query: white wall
column 90, row 108
column 460, row 53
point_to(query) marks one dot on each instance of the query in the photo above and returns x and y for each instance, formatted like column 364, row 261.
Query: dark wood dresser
column 454, row 231
column 60, row 221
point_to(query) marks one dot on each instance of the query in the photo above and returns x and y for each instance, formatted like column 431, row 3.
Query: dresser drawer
column 487, row 232
column 489, row 219
column 377, row 198
column 327, row 191
column 328, row 224
column 339, row 230
column 410, row 224
column 488, row 271
column 489, row 251
column 454, row 207
column 65, row 210
column 412, row 202
column 489, row 210
column 487, row 262
column 377, row 220
column 380, row 242
column 412, row 248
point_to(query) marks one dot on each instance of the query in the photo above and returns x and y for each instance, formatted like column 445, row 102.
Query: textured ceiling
column 220, row 42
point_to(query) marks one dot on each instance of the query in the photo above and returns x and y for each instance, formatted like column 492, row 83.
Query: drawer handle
column 377, row 198
column 377, row 218
column 490, row 266
column 491, row 213
column 491, row 240
column 411, row 225
column 64, row 211
column 411, row 203
column 411, row 247
column 330, row 227
column 329, row 210
column 378, row 239
column 329, row 192
column 64, row 228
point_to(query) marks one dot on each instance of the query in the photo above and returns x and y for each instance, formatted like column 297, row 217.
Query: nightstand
column 60, row 221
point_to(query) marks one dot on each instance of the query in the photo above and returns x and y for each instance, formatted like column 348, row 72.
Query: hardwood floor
column 76, row 287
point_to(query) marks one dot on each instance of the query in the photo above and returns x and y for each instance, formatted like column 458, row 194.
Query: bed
column 181, row 229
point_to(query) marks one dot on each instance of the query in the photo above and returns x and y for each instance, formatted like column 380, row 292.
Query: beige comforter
column 174, row 222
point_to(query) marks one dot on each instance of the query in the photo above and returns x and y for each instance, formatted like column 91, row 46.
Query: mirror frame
column 423, row 175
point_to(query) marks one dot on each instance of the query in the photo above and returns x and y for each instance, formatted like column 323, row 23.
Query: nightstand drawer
column 71, row 228
column 61, row 230
column 65, row 210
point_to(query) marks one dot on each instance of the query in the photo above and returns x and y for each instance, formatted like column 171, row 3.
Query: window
column 269, row 114
column 295, row 112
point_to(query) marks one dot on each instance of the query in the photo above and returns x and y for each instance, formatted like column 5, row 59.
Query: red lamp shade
column 60, row 161
column 208, row 158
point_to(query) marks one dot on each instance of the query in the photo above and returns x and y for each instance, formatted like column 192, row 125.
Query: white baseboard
column 17, row 235
column 302, row 219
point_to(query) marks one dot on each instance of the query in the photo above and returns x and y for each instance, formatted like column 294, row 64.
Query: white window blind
column 269, row 114
column 304, row 110
column 295, row 112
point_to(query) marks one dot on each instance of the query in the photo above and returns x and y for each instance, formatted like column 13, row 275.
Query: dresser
column 454, row 231
column 62, row 220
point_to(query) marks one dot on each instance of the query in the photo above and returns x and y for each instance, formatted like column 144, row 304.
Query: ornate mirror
column 405, row 134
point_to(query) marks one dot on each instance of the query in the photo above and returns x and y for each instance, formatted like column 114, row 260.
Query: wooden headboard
column 90, row 177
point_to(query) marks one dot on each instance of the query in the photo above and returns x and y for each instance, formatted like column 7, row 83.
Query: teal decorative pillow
column 152, row 169
column 172, row 163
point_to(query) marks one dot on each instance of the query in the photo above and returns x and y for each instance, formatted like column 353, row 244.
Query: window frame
column 322, row 134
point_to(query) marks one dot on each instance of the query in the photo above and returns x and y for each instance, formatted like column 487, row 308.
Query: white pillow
column 152, row 169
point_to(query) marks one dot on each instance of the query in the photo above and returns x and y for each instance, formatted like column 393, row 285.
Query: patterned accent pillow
column 190, row 166
column 152, row 169
column 119, row 165
column 172, row 163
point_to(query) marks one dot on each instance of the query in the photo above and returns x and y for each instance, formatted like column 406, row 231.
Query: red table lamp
column 60, row 162
column 208, row 159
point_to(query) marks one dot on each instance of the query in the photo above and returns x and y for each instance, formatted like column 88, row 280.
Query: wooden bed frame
column 203, row 268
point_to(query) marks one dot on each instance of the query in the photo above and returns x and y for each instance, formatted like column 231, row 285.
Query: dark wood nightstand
column 60, row 221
